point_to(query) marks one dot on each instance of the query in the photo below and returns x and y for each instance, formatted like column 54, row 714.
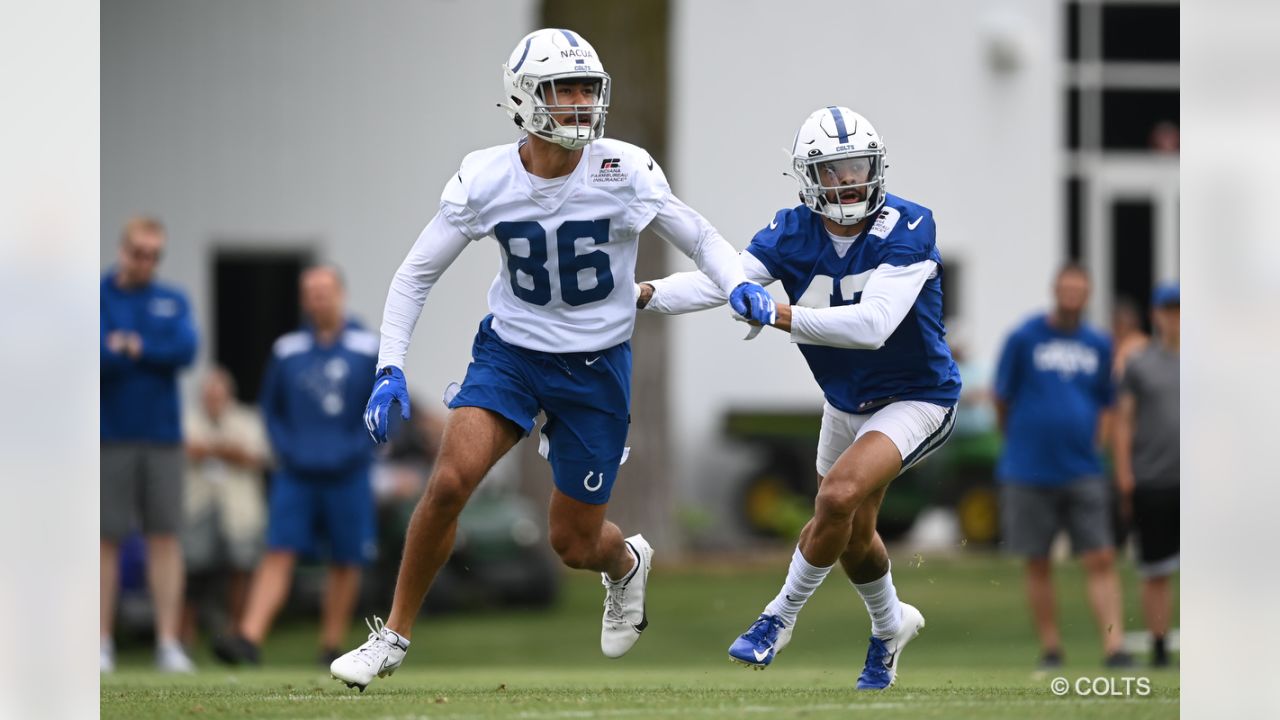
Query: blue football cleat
column 881, row 670
column 761, row 642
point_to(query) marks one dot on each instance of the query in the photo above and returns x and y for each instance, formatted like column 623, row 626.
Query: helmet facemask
column 846, row 188
column 558, row 119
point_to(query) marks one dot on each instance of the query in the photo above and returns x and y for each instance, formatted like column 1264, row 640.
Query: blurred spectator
column 1165, row 137
column 226, row 511
column 1052, row 387
column 313, row 398
column 1127, row 336
column 146, row 337
column 1147, row 467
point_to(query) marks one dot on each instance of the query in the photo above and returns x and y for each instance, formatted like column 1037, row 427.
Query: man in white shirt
column 567, row 208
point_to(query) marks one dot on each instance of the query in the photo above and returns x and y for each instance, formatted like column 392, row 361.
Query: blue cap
column 1165, row 294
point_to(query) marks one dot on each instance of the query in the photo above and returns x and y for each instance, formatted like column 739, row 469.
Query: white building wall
column 978, row 145
column 323, row 123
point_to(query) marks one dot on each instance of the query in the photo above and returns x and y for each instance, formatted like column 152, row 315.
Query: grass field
column 974, row 659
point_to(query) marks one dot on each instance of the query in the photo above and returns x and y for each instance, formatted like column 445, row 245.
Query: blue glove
column 388, row 386
column 753, row 303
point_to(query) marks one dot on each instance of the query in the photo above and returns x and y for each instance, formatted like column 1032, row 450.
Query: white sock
column 882, row 603
column 802, row 580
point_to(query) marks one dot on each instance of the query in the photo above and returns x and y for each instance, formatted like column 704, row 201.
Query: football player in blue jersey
column 566, row 206
column 862, row 271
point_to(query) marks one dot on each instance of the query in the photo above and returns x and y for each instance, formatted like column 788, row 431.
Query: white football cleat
column 624, row 616
column 379, row 656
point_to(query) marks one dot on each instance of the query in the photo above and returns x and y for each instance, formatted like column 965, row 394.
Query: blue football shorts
column 586, row 397
column 326, row 516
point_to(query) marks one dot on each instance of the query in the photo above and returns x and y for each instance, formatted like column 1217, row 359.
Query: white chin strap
column 574, row 137
column 846, row 213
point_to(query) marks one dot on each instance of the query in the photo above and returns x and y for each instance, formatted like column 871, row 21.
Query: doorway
column 255, row 302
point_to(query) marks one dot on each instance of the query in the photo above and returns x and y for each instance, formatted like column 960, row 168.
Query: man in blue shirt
column 313, row 398
column 1053, row 386
column 863, row 277
column 146, row 337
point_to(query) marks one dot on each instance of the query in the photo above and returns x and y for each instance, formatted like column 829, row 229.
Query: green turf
column 974, row 659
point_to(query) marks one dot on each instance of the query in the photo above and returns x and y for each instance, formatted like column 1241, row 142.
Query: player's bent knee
column 837, row 501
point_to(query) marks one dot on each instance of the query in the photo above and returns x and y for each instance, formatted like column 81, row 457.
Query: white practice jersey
column 566, row 277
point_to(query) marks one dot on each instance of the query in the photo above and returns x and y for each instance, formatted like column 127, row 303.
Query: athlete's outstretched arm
column 689, row 232
column 433, row 252
column 887, row 298
column 692, row 291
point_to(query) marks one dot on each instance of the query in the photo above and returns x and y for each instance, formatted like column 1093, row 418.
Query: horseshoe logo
column 586, row 482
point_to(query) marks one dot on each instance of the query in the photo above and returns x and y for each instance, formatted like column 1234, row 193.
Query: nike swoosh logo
column 888, row 662
column 381, row 385
column 773, row 224
column 650, row 163
column 760, row 656
column 592, row 361
column 912, row 225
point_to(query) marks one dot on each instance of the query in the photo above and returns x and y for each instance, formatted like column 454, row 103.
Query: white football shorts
column 917, row 428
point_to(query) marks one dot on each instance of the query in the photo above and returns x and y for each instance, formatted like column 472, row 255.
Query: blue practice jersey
column 139, row 401
column 1056, row 384
column 915, row 362
column 313, row 399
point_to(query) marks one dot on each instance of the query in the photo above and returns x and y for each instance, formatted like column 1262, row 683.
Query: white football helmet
column 838, row 159
column 541, row 60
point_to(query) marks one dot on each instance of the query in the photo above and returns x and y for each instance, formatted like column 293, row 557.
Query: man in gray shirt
column 1146, row 460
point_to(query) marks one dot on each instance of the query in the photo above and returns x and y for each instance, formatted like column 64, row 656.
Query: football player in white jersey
column 566, row 207
column 864, row 277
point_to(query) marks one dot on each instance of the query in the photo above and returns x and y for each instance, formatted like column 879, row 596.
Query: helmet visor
column 849, row 179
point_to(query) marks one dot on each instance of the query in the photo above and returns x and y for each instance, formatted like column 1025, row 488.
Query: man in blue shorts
column 320, row 500
column 566, row 206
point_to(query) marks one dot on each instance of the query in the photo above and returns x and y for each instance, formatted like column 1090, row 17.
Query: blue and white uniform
column 563, row 304
column 313, row 403
column 867, row 316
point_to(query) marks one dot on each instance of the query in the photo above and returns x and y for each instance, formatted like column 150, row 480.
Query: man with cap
column 1146, row 462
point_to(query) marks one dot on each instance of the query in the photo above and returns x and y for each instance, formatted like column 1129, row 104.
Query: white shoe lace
column 614, row 598
column 366, row 651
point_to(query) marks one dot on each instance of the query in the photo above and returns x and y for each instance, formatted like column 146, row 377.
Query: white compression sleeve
column 688, row 231
column 887, row 298
column 432, row 253
column 691, row 291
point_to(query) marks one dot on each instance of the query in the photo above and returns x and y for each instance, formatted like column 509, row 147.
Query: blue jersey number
column 534, row 264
